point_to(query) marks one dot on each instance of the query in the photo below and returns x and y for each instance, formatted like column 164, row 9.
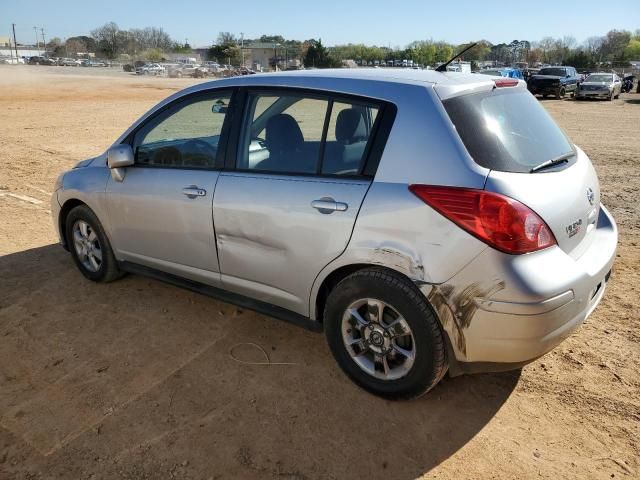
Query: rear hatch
column 531, row 160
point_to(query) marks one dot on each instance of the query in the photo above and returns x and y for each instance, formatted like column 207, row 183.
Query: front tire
column 384, row 334
column 560, row 93
column 89, row 246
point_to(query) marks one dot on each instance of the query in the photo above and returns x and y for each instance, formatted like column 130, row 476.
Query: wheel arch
column 67, row 206
column 343, row 271
column 334, row 277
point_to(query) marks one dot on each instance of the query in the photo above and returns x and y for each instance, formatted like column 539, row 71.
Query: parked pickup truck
column 557, row 81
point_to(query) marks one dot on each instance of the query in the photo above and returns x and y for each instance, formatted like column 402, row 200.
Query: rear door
column 289, row 204
column 161, row 213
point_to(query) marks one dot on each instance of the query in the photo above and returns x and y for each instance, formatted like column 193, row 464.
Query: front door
column 161, row 213
column 290, row 205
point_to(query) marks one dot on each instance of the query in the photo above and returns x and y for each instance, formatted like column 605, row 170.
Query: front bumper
column 593, row 93
column 55, row 215
column 544, row 89
column 502, row 311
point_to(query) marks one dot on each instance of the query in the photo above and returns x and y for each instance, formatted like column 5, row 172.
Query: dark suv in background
column 557, row 81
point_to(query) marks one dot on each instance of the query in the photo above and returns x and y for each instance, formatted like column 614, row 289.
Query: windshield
column 506, row 129
column 600, row 78
column 556, row 72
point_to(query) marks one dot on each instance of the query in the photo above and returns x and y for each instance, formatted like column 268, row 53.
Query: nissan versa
column 427, row 221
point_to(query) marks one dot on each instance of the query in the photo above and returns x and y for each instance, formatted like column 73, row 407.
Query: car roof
column 387, row 75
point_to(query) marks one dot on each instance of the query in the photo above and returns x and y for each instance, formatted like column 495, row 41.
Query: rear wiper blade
column 554, row 161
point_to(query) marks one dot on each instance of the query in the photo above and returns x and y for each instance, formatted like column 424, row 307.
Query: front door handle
column 329, row 205
column 193, row 191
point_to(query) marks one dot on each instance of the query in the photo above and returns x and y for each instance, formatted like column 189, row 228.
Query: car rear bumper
column 502, row 311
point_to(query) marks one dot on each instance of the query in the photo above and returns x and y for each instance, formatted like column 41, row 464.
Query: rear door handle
column 193, row 191
column 329, row 205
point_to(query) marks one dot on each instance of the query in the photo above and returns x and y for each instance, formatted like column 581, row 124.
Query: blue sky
column 356, row 21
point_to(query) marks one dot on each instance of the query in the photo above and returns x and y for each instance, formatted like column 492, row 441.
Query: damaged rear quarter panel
column 457, row 305
column 397, row 230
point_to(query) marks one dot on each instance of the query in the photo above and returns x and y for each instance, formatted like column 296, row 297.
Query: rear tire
column 89, row 246
column 399, row 354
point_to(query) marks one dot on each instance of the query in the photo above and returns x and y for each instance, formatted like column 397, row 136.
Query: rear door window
column 507, row 129
column 348, row 134
column 305, row 134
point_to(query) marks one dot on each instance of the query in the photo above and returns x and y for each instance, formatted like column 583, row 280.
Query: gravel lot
column 134, row 379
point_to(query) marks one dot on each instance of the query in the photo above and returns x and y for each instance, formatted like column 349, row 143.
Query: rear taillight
column 506, row 82
column 502, row 222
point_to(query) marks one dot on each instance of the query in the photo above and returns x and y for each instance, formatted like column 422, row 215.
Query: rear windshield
column 506, row 129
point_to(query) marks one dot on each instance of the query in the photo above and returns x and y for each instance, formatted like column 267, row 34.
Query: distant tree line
column 109, row 41
column 616, row 48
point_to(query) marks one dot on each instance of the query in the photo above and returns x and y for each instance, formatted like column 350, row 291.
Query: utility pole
column 15, row 44
column 35, row 29
column 242, row 46
column 44, row 44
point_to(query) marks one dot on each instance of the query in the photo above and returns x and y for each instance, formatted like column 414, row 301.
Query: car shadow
column 147, row 377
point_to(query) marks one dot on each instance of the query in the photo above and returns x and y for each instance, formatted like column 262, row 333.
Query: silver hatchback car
column 600, row 85
column 428, row 222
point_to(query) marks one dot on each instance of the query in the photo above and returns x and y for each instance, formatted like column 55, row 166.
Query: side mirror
column 120, row 156
column 219, row 107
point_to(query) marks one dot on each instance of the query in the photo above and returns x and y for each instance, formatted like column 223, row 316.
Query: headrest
column 283, row 134
column 350, row 126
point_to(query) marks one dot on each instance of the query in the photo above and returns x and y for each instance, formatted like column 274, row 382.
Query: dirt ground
column 135, row 379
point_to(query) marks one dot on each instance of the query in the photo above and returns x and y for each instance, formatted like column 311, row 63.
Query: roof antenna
column 443, row 67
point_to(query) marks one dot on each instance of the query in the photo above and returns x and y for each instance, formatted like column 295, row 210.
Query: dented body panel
column 394, row 229
column 512, row 309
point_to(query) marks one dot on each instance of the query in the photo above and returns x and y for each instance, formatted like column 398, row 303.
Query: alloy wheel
column 87, row 246
column 378, row 339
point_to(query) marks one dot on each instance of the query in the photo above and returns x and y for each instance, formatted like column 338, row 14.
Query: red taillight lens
column 502, row 222
column 506, row 82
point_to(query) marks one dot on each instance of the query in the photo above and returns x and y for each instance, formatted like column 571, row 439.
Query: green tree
column 444, row 52
column 225, row 53
column 318, row 56
column 478, row 53
column 181, row 48
column 580, row 59
column 108, row 39
column 632, row 50
column 153, row 55
column 614, row 44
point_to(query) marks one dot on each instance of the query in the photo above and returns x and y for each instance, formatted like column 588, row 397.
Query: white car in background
column 150, row 69
column 11, row 60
